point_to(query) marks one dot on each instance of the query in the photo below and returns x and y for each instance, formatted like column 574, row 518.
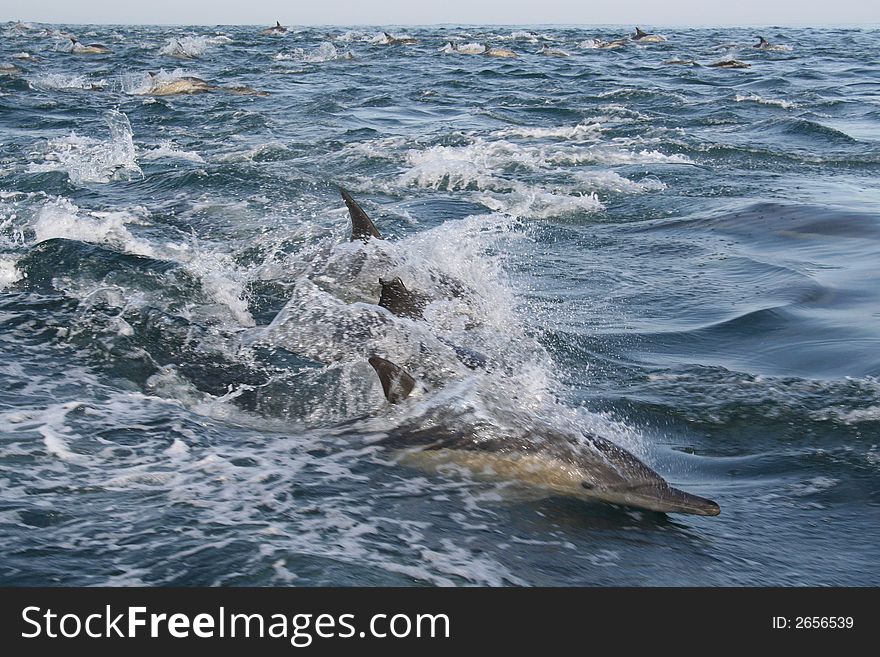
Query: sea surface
column 684, row 259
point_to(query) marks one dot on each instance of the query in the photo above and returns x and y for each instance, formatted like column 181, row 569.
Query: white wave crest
column 755, row 98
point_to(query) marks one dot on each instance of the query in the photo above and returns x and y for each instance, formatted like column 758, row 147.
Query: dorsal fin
column 640, row 33
column 398, row 300
column 277, row 23
column 362, row 227
column 396, row 383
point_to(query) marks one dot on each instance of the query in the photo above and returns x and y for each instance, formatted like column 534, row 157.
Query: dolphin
column 465, row 49
column 9, row 69
column 540, row 458
column 763, row 44
column 643, row 37
column 611, row 45
column 179, row 51
column 174, row 86
column 87, row 49
column 505, row 53
column 278, row 28
column 478, row 49
column 189, row 85
column 401, row 301
column 389, row 40
column 362, row 227
column 552, row 52
column 730, row 63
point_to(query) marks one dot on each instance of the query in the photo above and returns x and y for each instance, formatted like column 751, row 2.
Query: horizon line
column 454, row 24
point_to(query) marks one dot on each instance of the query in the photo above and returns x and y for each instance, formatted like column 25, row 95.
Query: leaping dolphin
column 541, row 458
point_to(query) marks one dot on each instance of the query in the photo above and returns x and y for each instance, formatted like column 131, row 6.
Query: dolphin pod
column 582, row 466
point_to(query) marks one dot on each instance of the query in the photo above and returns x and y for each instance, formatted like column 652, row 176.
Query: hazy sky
column 408, row 12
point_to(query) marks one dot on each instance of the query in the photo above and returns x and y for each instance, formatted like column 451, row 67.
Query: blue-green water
column 680, row 257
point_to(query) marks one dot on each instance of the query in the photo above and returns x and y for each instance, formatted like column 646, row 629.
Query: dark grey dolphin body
column 541, row 458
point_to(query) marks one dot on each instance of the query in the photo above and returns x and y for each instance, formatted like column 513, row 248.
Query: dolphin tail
column 362, row 227
column 396, row 384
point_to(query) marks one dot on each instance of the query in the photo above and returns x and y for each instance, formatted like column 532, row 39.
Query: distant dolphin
column 479, row 49
column 278, row 28
column 610, row 45
column 175, row 86
column 763, row 44
column 465, row 49
column 506, row 53
column 189, row 85
column 555, row 464
column 9, row 69
column 87, row 49
column 179, row 51
column 730, row 63
column 552, row 52
column 643, row 37
column 389, row 40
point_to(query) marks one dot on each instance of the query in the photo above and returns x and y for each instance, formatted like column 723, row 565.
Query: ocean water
column 679, row 257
